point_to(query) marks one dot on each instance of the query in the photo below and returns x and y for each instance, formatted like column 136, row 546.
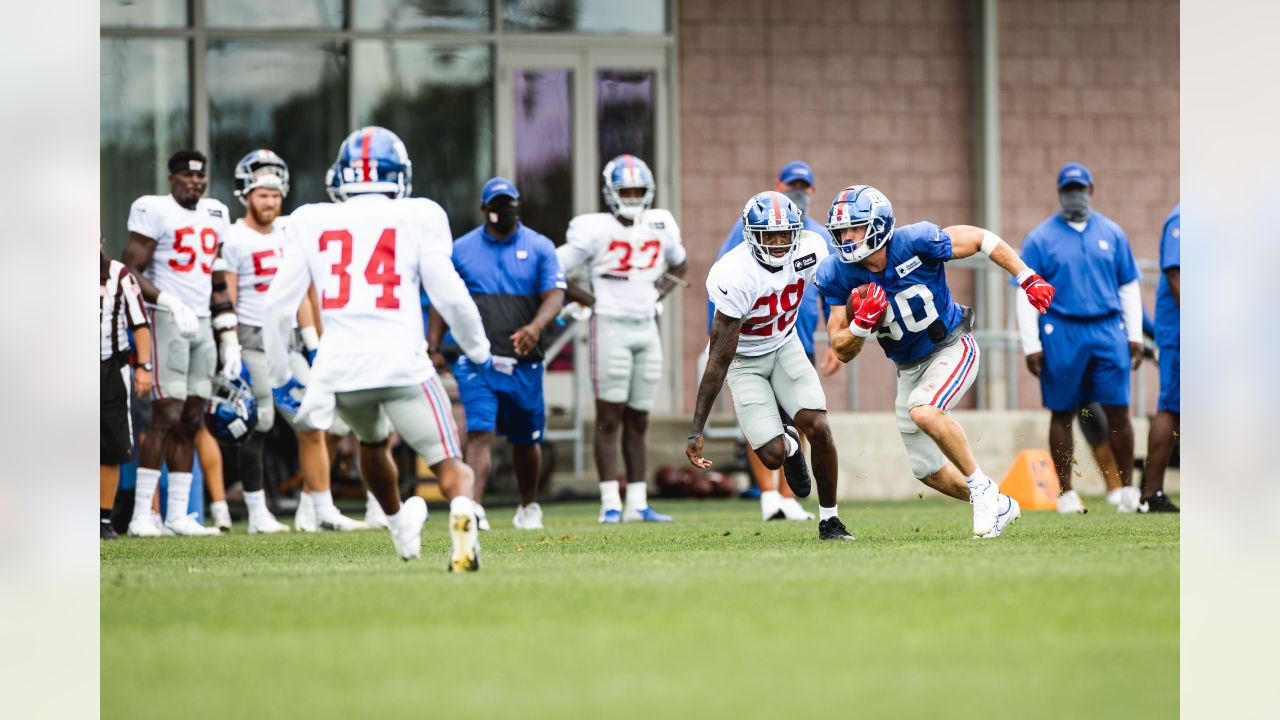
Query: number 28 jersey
column 766, row 301
column 626, row 261
column 921, row 313
column 186, row 243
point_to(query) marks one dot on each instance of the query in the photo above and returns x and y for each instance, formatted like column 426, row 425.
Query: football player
column 252, row 251
column 368, row 256
column 629, row 251
column 757, row 288
column 173, row 242
column 908, row 305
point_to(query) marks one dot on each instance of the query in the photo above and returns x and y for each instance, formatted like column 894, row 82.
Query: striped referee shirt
column 119, row 308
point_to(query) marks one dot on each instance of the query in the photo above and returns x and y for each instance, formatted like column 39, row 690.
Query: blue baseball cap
column 796, row 170
column 497, row 187
column 1073, row 173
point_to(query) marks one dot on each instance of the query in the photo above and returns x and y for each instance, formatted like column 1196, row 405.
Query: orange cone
column 1032, row 481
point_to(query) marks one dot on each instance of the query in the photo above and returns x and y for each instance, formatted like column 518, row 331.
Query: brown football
column 860, row 293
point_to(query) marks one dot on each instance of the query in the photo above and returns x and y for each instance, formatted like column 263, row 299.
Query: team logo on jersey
column 215, row 212
column 657, row 225
column 1104, row 244
column 522, row 254
column 907, row 267
column 807, row 261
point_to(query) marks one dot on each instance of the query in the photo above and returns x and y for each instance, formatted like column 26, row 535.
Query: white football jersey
column 368, row 257
column 768, row 302
column 625, row 262
column 255, row 258
column 186, row 243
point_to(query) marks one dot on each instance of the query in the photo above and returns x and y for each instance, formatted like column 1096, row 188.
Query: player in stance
column 926, row 333
column 173, row 242
column 251, row 252
column 756, row 288
column 629, row 251
column 369, row 255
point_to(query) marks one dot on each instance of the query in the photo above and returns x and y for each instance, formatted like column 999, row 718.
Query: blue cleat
column 647, row 514
column 610, row 517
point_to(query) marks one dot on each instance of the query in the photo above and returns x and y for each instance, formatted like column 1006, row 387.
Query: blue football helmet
column 332, row 182
column 769, row 212
column 627, row 171
column 855, row 206
column 373, row 160
column 231, row 413
column 261, row 169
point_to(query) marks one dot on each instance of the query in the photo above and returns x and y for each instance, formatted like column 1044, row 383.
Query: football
column 860, row 293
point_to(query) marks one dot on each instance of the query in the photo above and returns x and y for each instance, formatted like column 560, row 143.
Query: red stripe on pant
column 435, row 414
column 943, row 390
column 956, row 395
column 448, row 416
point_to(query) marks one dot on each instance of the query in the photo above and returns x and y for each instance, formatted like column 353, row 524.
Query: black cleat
column 1158, row 503
column 795, row 469
column 106, row 532
column 833, row 529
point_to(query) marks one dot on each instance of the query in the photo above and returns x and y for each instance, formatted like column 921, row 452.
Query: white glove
column 230, row 355
column 183, row 316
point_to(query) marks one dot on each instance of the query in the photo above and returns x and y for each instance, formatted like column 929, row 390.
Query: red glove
column 1039, row 292
column 866, row 310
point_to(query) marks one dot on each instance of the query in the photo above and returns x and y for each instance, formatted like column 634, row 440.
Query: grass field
column 717, row 615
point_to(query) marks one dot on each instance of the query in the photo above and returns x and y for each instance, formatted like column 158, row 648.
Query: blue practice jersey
column 1086, row 268
column 921, row 313
column 1168, row 314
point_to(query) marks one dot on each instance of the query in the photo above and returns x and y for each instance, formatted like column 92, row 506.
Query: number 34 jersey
column 767, row 301
column 186, row 243
column 921, row 313
column 625, row 262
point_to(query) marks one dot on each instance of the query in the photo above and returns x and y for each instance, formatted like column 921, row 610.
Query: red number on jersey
column 784, row 306
column 209, row 244
column 263, row 271
column 381, row 270
column 333, row 302
column 179, row 236
column 652, row 247
column 624, row 262
column 763, row 325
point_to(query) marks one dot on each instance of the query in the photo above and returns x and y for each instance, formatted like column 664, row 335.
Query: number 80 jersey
column 768, row 302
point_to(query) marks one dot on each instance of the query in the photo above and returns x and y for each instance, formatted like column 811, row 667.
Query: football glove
column 183, row 317
column 1039, row 292
column 867, row 311
column 289, row 395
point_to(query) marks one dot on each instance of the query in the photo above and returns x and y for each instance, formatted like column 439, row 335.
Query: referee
column 119, row 311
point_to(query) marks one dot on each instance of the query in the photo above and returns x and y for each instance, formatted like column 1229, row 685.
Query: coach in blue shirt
column 515, row 279
column 1168, row 343
column 1084, row 348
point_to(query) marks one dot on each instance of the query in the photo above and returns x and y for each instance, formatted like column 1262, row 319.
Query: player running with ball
column 895, row 284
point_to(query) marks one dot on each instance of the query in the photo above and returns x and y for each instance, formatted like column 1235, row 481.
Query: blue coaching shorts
column 1084, row 361
column 1170, row 383
column 509, row 404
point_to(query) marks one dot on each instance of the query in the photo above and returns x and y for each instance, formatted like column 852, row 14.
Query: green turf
column 717, row 615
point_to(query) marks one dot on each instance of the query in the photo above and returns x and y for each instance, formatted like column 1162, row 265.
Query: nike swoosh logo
column 726, row 292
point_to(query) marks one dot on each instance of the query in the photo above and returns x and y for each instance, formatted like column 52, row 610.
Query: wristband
column 225, row 321
column 1026, row 273
column 228, row 338
column 695, row 436
column 859, row 331
column 990, row 241
column 310, row 337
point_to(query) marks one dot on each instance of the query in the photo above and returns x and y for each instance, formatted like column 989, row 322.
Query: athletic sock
column 637, row 495
column 144, row 491
column 827, row 513
column 104, row 516
column 975, row 480
column 256, row 501
column 462, row 505
column 322, row 501
column 179, row 494
column 610, row 499
column 218, row 504
column 792, row 445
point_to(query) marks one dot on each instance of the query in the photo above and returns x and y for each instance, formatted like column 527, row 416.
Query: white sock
column 827, row 513
column 977, row 477
column 637, row 495
column 179, row 494
column 218, row 505
column 770, row 497
column 256, row 501
column 462, row 505
column 792, row 445
column 145, row 491
column 323, row 503
column 369, row 498
column 305, row 501
column 609, row 497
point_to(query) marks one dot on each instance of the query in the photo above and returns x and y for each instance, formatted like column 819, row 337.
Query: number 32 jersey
column 186, row 243
column 626, row 262
column 767, row 302
column 921, row 313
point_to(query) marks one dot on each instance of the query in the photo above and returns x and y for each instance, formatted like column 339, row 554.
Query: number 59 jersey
column 921, row 313
column 767, row 302
column 186, row 243
column 626, row 261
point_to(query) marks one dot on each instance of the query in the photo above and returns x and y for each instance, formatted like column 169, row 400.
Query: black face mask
column 502, row 216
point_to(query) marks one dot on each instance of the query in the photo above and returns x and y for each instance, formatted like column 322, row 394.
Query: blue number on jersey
column 915, row 281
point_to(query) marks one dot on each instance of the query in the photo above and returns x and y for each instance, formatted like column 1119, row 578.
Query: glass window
column 544, row 149
column 619, row 17
column 474, row 15
column 145, row 106
column 274, row 14
column 143, row 13
column 290, row 97
column 624, row 117
column 439, row 100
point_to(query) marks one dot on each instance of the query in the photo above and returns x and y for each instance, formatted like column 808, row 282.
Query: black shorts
column 117, row 426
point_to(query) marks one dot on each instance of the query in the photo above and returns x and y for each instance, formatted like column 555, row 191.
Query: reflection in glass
column 143, row 13
column 625, row 17
column 544, row 149
column 460, row 15
column 274, row 14
column 439, row 100
column 624, row 117
column 290, row 97
column 145, row 117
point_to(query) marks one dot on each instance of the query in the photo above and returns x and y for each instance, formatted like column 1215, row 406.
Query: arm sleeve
column 132, row 294
column 550, row 276
column 145, row 220
column 577, row 248
column 1028, row 324
column 1131, row 310
column 446, row 290
column 1126, row 267
column 288, row 287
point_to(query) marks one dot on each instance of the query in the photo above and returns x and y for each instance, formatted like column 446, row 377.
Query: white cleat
column 464, row 543
column 267, row 524
column 304, row 518
column 334, row 520
column 1130, row 498
column 159, row 523
column 793, row 510
column 187, row 525
column 528, row 517
column 1010, row 510
column 482, row 520
column 406, row 527
column 374, row 517
column 1069, row 504
column 221, row 516
column 1113, row 496
column 985, row 498
column 144, row 526
column 771, row 506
